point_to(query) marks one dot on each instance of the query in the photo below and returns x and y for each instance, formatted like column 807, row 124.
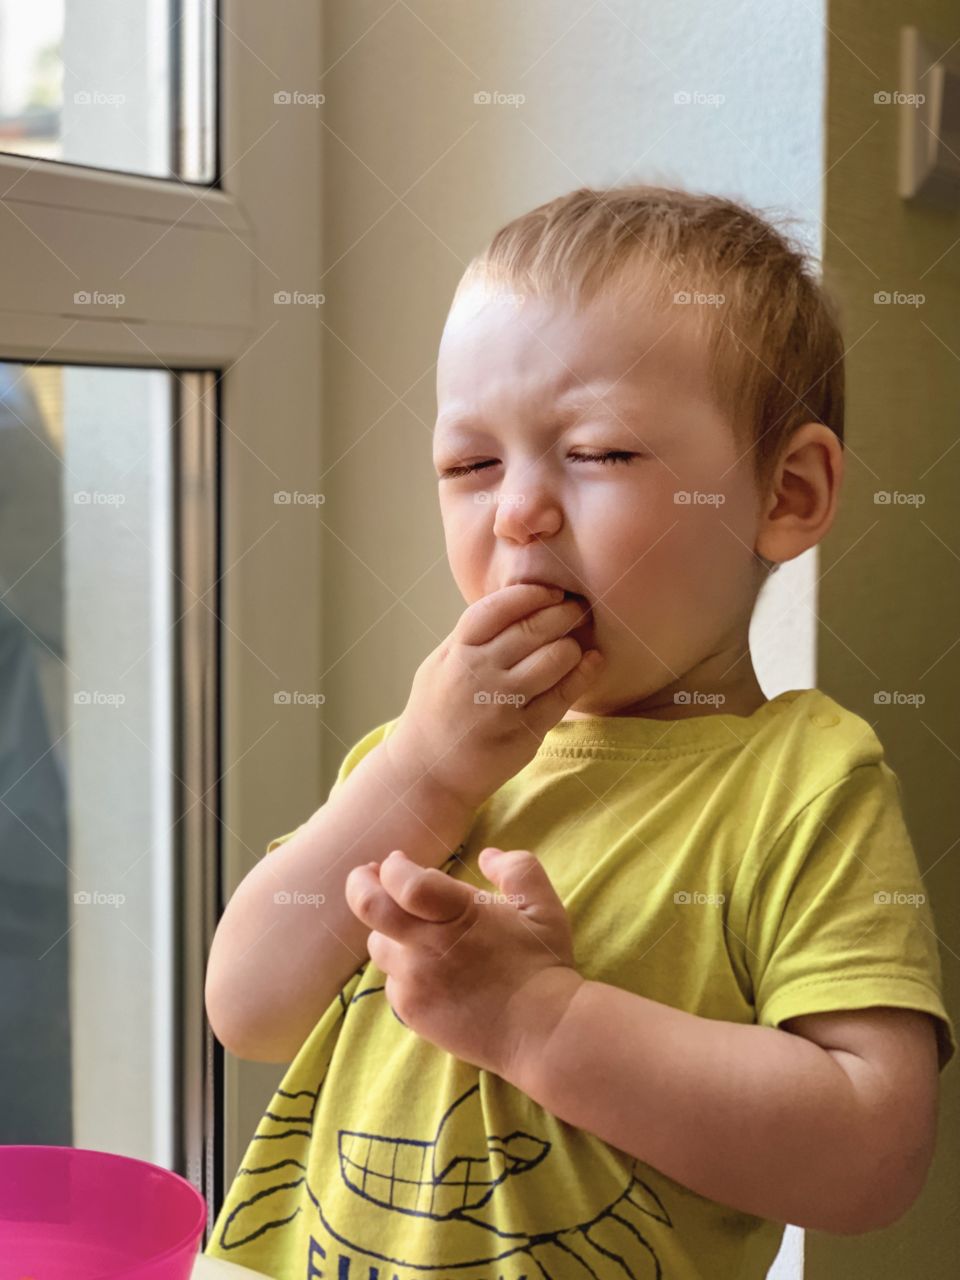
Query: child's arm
column 275, row 965
column 836, row 1136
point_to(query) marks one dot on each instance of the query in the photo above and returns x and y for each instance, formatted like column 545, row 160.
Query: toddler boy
column 677, row 983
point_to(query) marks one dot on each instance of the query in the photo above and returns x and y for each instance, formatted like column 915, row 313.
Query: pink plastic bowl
column 71, row 1214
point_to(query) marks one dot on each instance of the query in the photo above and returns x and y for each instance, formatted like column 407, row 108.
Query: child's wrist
column 457, row 809
column 535, row 1014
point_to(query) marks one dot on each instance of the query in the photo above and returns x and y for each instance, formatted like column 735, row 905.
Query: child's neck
column 724, row 683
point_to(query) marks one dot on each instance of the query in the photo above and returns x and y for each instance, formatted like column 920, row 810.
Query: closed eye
column 607, row 457
column 610, row 455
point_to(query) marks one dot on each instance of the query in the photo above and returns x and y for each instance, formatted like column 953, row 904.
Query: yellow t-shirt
column 743, row 868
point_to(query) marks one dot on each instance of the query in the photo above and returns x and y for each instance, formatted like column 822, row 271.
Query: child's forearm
column 754, row 1117
column 287, row 940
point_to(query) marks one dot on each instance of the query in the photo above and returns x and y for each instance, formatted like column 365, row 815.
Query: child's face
column 528, row 389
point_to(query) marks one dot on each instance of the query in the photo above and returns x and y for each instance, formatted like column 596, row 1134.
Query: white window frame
column 208, row 262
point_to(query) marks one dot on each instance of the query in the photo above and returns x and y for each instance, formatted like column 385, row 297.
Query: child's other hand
column 475, row 972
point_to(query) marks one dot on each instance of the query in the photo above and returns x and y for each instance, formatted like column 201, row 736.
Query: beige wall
column 889, row 602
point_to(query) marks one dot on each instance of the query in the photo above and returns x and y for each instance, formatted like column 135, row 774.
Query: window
column 154, row 396
column 120, row 86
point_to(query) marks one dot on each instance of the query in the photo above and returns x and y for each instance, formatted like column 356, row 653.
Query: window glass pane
column 86, row 829
column 125, row 85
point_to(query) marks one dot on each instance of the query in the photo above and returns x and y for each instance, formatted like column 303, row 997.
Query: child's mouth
column 583, row 631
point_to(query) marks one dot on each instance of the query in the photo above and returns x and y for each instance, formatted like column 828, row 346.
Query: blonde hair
column 775, row 345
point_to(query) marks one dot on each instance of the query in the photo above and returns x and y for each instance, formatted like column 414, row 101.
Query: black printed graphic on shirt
column 469, row 1187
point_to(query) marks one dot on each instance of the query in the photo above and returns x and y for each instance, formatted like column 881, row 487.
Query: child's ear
column 802, row 496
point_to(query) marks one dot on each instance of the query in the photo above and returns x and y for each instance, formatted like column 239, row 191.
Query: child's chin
column 589, row 704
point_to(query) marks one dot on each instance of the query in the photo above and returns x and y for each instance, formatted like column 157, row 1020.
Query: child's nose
column 527, row 511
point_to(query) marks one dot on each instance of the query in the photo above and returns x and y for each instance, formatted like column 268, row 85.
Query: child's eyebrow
column 615, row 399
column 569, row 407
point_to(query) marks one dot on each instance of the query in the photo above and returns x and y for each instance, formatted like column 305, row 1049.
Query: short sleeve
column 839, row 917
column 279, row 840
column 349, row 762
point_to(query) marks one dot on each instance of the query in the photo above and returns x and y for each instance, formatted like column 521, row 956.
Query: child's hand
column 482, row 701
column 475, row 977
